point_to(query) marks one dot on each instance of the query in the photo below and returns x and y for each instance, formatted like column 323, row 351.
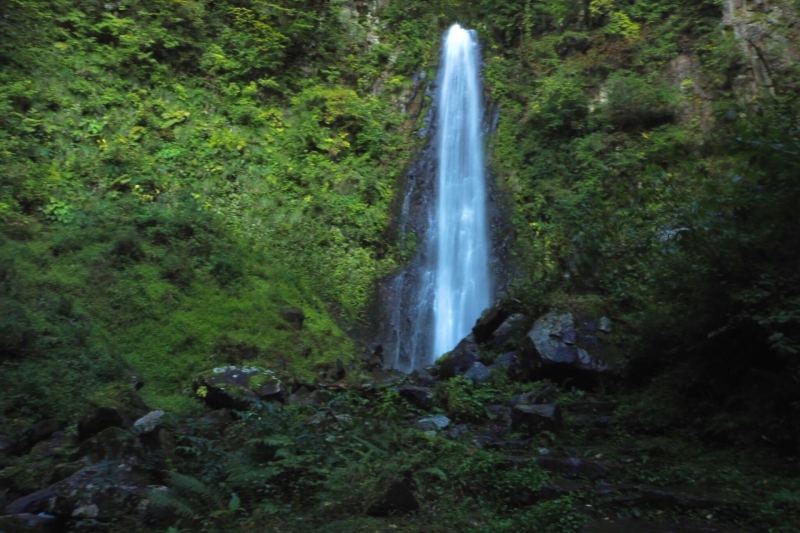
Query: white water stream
column 434, row 302
column 461, row 281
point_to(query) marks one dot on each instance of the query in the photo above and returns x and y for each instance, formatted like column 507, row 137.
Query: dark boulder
column 543, row 417
column 419, row 397
column 507, row 360
column 508, row 364
column 460, row 359
column 514, row 326
column 478, row 373
column 489, row 321
column 557, row 347
column 423, row 378
column 396, row 498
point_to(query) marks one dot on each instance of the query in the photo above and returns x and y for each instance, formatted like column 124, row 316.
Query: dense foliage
column 180, row 170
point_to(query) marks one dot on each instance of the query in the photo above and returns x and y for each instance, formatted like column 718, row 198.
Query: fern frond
column 207, row 493
column 171, row 499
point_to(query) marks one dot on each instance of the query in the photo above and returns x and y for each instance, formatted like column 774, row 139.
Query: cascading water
column 436, row 300
column 461, row 285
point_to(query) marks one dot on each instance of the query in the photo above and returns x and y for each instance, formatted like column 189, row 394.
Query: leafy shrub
column 633, row 101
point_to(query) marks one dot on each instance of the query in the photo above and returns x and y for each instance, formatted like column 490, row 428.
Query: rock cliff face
column 768, row 39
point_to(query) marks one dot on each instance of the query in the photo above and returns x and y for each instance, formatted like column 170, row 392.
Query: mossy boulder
column 234, row 387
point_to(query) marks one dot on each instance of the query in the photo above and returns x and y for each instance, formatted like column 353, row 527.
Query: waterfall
column 461, row 285
column 434, row 302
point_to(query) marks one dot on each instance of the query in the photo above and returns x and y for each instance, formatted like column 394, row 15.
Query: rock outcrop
column 234, row 387
column 558, row 342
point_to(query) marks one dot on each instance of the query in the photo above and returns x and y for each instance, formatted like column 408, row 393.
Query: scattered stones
column 543, row 417
column 294, row 316
column 112, row 444
column 397, row 499
column 234, row 387
column 478, row 373
column 419, row 397
column 433, row 423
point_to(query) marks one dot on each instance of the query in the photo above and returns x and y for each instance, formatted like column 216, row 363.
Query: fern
column 207, row 494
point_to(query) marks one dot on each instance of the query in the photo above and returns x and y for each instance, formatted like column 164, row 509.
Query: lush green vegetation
column 175, row 172
column 636, row 172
